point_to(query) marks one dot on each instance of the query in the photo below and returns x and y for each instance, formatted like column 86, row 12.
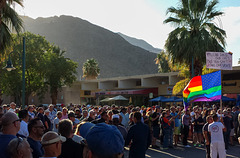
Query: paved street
column 181, row 152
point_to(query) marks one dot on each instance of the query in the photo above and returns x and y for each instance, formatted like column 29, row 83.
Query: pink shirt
column 64, row 116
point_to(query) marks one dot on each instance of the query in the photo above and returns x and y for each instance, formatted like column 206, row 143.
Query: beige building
column 140, row 88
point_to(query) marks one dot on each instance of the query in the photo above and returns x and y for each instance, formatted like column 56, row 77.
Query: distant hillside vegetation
column 140, row 43
column 82, row 40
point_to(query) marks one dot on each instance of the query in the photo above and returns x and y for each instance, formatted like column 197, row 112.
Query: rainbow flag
column 203, row 88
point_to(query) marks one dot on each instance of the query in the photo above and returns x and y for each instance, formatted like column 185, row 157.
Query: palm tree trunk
column 197, row 67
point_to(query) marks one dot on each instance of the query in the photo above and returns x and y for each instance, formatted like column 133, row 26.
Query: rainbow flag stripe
column 205, row 88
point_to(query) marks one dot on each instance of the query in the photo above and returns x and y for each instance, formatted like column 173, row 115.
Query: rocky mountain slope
column 82, row 40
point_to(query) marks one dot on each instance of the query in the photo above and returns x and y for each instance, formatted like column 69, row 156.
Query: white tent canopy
column 106, row 100
column 119, row 97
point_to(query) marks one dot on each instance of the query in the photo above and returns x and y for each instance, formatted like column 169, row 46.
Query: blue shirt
column 36, row 147
column 4, row 140
column 125, row 119
column 177, row 120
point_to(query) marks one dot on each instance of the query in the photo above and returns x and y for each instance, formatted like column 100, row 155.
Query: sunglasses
column 16, row 120
column 20, row 140
column 42, row 127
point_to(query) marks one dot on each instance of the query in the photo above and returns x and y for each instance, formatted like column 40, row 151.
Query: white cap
column 115, row 116
column 53, row 140
column 78, row 139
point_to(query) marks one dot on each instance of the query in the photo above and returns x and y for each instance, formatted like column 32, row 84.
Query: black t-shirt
column 197, row 122
column 155, row 122
column 89, row 119
column 71, row 149
column 227, row 122
column 146, row 120
column 39, row 115
column 100, row 120
column 205, row 128
column 48, row 122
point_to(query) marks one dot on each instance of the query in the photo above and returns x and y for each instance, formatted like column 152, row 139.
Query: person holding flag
column 201, row 88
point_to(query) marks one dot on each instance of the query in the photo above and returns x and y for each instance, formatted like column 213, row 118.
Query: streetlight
column 9, row 67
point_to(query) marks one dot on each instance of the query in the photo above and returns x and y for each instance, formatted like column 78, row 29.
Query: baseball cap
column 103, row 139
column 84, row 128
column 51, row 137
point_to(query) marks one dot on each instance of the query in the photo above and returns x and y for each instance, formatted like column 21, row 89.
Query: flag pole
column 221, row 98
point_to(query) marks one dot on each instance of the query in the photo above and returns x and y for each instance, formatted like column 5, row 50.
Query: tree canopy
column 196, row 32
column 45, row 67
column 36, row 47
column 91, row 69
column 59, row 71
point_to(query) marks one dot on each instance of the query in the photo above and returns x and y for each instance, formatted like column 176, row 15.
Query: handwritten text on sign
column 219, row 60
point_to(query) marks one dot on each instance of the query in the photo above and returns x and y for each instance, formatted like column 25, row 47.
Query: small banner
column 219, row 60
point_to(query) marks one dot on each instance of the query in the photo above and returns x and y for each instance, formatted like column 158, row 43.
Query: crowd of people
column 104, row 131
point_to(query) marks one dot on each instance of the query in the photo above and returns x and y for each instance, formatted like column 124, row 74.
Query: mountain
column 140, row 43
column 82, row 40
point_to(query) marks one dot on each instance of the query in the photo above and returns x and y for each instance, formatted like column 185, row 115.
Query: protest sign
column 219, row 60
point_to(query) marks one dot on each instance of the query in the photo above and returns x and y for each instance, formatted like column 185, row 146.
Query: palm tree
column 9, row 21
column 91, row 69
column 162, row 61
column 195, row 33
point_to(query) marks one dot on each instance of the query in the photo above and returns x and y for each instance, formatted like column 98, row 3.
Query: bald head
column 8, row 118
column 19, row 147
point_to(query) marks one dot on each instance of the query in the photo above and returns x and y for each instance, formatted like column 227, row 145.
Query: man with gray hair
column 91, row 116
column 84, row 116
column 12, row 107
column 53, row 113
column 10, row 127
column 19, row 148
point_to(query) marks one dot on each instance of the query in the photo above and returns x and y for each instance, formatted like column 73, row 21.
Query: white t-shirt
column 31, row 114
column 55, row 122
column 11, row 110
column 23, row 129
column 216, row 130
column 76, row 121
column 192, row 115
